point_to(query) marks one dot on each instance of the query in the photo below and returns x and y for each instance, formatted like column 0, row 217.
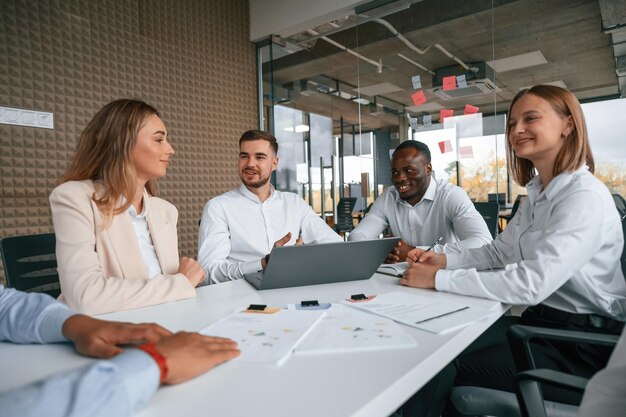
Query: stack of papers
column 345, row 329
column 265, row 338
column 421, row 312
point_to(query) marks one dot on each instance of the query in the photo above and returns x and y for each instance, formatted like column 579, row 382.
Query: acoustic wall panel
column 189, row 58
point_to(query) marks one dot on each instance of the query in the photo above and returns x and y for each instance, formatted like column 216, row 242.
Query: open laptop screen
column 322, row 263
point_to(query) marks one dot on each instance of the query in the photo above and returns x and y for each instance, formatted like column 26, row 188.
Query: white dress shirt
column 237, row 230
column 445, row 211
column 140, row 226
column 561, row 249
column 115, row 387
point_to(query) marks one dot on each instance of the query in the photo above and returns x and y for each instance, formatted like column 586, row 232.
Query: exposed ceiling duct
column 378, row 65
column 414, row 48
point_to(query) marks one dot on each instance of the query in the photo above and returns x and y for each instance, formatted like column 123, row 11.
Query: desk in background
column 503, row 218
column 355, row 384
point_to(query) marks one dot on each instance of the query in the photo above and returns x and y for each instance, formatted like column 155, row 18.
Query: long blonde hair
column 576, row 150
column 104, row 153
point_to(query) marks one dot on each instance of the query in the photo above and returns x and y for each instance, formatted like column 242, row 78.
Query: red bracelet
column 151, row 350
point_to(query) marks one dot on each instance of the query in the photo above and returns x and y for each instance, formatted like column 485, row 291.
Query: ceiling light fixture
column 558, row 83
column 297, row 129
column 515, row 62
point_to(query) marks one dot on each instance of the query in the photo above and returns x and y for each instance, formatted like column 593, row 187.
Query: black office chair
column 620, row 203
column 528, row 400
column 344, row 222
column 528, row 381
column 30, row 263
column 499, row 198
column 489, row 212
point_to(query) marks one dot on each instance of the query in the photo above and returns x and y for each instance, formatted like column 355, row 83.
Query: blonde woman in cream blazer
column 103, row 262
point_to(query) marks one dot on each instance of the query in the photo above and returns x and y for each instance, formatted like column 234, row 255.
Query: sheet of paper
column 466, row 152
column 461, row 81
column 443, row 113
column 395, row 270
column 449, row 83
column 428, row 120
column 467, row 126
column 345, row 329
column 413, row 123
column 266, row 339
column 417, row 82
column 422, row 312
column 419, row 98
column 445, row 146
column 469, row 109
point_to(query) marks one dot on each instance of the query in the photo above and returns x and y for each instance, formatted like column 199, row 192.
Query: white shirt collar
column 431, row 191
column 253, row 197
column 554, row 187
column 131, row 209
column 430, row 194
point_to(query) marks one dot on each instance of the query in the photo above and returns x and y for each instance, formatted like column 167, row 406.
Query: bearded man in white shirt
column 240, row 227
column 420, row 209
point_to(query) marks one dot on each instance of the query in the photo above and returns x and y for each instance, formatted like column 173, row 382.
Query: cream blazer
column 101, row 268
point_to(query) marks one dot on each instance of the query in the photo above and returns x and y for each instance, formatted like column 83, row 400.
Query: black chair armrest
column 521, row 336
column 528, row 389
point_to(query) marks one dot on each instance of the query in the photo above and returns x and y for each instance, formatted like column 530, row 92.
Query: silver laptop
column 322, row 263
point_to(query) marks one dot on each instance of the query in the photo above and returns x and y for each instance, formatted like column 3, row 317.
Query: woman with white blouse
column 560, row 254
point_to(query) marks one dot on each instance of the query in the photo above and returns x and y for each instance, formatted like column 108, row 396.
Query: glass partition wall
column 341, row 96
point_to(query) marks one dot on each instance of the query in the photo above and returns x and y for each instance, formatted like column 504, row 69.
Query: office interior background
column 332, row 79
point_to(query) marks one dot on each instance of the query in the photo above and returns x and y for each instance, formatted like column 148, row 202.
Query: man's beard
column 255, row 184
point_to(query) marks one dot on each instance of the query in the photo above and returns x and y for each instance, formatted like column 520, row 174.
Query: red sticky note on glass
column 449, row 83
column 466, row 152
column 445, row 113
column 419, row 98
column 469, row 109
column 445, row 146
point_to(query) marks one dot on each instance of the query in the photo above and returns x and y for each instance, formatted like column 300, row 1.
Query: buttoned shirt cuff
column 140, row 374
column 51, row 326
column 251, row 267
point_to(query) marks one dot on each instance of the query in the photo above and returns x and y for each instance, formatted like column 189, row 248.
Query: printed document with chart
column 421, row 312
column 345, row 329
column 265, row 338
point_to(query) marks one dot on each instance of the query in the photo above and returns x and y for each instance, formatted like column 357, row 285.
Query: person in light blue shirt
column 117, row 386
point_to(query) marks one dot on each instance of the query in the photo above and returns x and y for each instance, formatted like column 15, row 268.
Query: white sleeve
column 116, row 387
column 373, row 224
column 496, row 254
column 214, row 247
column 467, row 223
column 31, row 317
column 313, row 228
column 568, row 243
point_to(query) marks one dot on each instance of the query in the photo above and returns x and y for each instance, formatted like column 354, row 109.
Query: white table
column 371, row 383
